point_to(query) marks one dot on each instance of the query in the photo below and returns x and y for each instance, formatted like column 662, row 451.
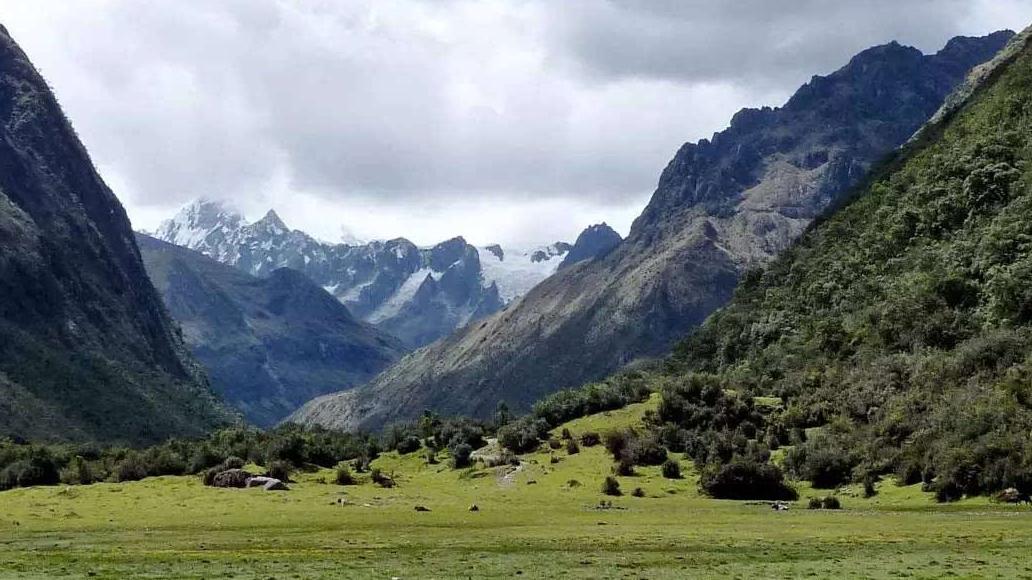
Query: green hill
column 898, row 332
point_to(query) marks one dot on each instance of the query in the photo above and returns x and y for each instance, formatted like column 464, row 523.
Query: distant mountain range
column 269, row 344
column 87, row 351
column 723, row 206
column 417, row 294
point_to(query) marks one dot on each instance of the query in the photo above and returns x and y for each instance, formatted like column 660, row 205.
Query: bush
column 745, row 479
column 616, row 442
column 823, row 461
column 814, row 503
column 645, row 450
column 380, row 479
column 566, row 435
column 280, row 470
column 554, row 443
column 409, row 444
column 571, row 447
column 462, row 456
column 78, row 472
column 611, row 486
column 523, row 435
column 590, row 439
column 343, row 476
column 36, row 470
column 131, row 468
column 232, row 462
column 431, row 457
column 671, row 469
column 831, row 503
column 624, row 467
column 638, row 492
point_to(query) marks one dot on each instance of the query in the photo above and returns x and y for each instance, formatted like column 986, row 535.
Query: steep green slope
column 87, row 350
column 902, row 325
column 269, row 344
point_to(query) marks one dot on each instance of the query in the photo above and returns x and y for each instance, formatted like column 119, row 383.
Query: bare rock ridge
column 269, row 344
column 417, row 294
column 722, row 206
column 87, row 351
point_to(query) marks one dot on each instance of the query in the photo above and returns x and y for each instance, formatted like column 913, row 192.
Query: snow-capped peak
column 197, row 220
column 516, row 271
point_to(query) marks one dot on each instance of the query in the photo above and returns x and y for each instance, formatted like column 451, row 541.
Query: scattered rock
column 420, row 508
column 231, row 478
column 1012, row 495
column 275, row 485
column 259, row 481
column 474, row 508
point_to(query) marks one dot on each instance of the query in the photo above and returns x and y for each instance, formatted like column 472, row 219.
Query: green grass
column 175, row 527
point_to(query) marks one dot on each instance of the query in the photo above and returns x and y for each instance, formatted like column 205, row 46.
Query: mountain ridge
column 723, row 205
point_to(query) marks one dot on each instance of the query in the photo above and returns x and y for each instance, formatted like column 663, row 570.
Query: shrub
column 232, row 462
column 280, row 470
column 831, row 503
column 380, row 479
column 566, row 435
column 522, row 435
column 616, row 442
column 624, row 467
column 590, row 439
column 431, row 457
column 462, row 456
column 409, row 444
column 38, row 469
column 814, row 503
column 745, row 479
column 571, row 447
column 552, row 459
column 823, row 461
column 343, row 476
column 638, row 492
column 78, row 472
column 645, row 450
column 131, row 468
column 611, row 486
column 554, row 443
column 671, row 469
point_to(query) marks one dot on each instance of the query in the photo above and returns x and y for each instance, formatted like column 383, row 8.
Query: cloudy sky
column 502, row 120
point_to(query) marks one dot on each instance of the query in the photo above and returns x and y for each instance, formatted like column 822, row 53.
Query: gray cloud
column 359, row 111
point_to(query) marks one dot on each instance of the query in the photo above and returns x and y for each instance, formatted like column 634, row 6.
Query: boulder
column 231, row 478
column 275, row 485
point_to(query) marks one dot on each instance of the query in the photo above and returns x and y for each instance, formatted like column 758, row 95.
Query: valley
column 546, row 529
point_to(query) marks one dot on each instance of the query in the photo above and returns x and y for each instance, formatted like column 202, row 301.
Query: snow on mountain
column 418, row 294
column 517, row 271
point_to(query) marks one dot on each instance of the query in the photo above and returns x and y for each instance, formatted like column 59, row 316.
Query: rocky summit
column 722, row 206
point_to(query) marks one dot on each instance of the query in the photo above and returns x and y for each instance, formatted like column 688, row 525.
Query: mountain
column 899, row 330
column 594, row 242
column 87, row 351
column 722, row 207
column 269, row 344
column 416, row 294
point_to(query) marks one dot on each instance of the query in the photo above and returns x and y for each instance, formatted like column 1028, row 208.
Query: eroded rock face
column 722, row 206
column 87, row 351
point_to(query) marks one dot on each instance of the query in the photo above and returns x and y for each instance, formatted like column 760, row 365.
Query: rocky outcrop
column 594, row 242
column 723, row 205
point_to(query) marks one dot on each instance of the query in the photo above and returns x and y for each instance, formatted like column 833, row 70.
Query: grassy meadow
column 542, row 520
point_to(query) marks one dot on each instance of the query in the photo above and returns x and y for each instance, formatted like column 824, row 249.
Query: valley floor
column 176, row 528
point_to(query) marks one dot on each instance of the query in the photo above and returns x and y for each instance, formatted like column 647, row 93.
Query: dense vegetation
column 898, row 331
column 280, row 450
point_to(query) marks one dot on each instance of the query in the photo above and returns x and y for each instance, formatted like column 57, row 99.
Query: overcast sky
column 512, row 121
